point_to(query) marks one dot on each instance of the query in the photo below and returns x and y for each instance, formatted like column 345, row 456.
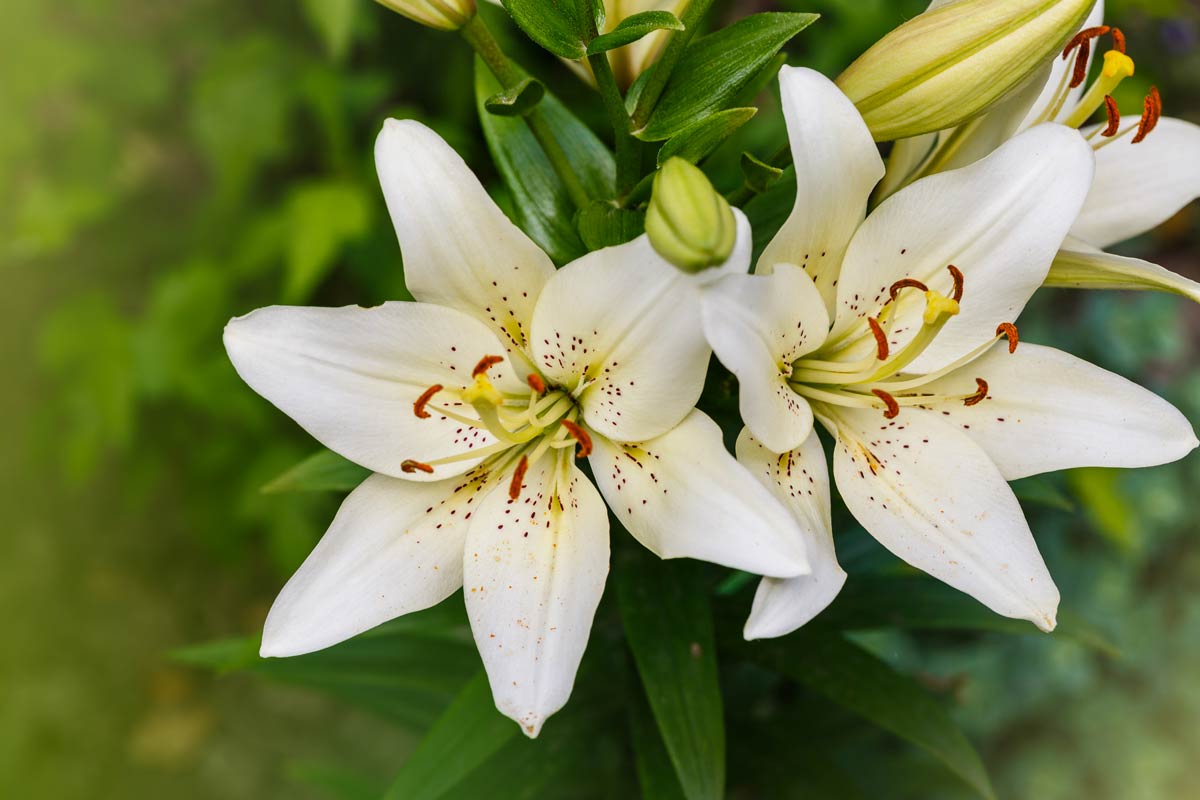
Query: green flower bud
column 955, row 61
column 444, row 15
column 689, row 223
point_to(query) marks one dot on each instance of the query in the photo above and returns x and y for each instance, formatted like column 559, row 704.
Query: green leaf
column 632, row 28
column 760, row 176
column 1042, row 492
column 668, row 624
column 656, row 774
column 697, row 140
column 859, row 682
column 543, row 207
column 323, row 471
column 517, row 101
column 1099, row 490
column 324, row 216
column 470, row 732
column 554, row 24
column 713, row 69
column 602, row 224
column 336, row 781
column 334, row 21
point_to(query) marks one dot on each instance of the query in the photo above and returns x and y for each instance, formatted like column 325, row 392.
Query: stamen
column 1151, row 111
column 979, row 395
column 426, row 396
column 485, row 363
column 1082, row 38
column 536, row 383
column 1114, row 116
column 906, row 283
column 1118, row 40
column 581, row 436
column 957, row 275
column 893, row 408
column 1009, row 331
column 1081, row 64
column 408, row 466
column 518, row 478
column 881, row 342
column 938, row 307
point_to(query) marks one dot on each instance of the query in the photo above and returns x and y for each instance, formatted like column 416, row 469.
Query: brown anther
column 980, row 394
column 1151, row 111
column 485, row 363
column 1009, row 331
column 906, row 283
column 426, row 396
column 1118, row 40
column 409, row 466
column 1083, row 36
column 536, row 383
column 957, row 275
column 893, row 408
column 1114, row 116
column 1081, row 64
column 581, row 436
column 881, row 342
column 518, row 478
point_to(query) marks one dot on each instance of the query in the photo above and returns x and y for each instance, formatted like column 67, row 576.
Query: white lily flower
column 469, row 406
column 888, row 332
column 1147, row 167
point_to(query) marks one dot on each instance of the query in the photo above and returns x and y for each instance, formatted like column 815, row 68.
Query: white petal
column 1139, row 186
column 394, row 547
column 1000, row 221
column 459, row 249
column 932, row 496
column 683, row 496
column 1077, row 267
column 349, row 376
column 758, row 325
column 533, row 572
column 628, row 323
column 837, row 165
column 907, row 156
column 800, row 479
column 1048, row 410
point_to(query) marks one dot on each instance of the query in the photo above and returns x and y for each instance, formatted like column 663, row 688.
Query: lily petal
column 1139, row 186
column 534, row 570
column 999, row 220
column 931, row 495
column 350, row 377
column 394, row 547
column 800, row 480
column 837, row 165
column 683, row 496
column 1085, row 268
column 758, row 325
column 1048, row 410
column 459, row 249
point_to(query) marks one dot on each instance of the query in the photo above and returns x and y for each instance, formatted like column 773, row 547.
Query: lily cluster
column 513, row 406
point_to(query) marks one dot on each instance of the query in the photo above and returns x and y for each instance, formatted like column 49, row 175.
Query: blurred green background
column 165, row 166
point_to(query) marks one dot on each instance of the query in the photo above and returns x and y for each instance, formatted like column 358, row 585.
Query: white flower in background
column 888, row 332
column 470, row 405
column 1147, row 165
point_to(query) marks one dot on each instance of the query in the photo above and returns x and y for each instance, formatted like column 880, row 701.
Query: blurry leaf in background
column 1099, row 491
column 334, row 21
column 324, row 471
column 323, row 216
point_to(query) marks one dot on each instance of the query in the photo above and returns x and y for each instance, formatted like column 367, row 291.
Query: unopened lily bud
column 955, row 61
column 444, row 15
column 689, row 223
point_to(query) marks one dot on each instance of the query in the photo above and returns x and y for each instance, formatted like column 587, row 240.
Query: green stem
column 693, row 15
column 481, row 40
column 781, row 160
column 628, row 158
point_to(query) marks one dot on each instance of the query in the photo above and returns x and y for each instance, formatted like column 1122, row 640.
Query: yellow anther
column 937, row 305
column 1117, row 65
column 482, row 390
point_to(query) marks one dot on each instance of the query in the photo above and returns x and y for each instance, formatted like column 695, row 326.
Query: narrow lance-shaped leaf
column 556, row 26
column 324, row 471
column 696, row 141
column 633, row 28
column 517, row 101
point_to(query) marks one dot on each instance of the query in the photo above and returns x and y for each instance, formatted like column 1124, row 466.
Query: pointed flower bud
column 955, row 61
column 689, row 223
column 444, row 15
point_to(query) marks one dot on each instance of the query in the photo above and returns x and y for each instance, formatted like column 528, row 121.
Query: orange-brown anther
column 426, row 396
column 1114, row 116
column 893, row 408
column 1118, row 40
column 906, row 283
column 1081, row 64
column 1083, row 36
column 1009, row 331
column 980, row 394
column 485, row 363
column 1151, row 111
column 881, row 342
column 518, row 478
column 409, row 466
column 581, row 436
column 536, row 383
column 957, row 275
